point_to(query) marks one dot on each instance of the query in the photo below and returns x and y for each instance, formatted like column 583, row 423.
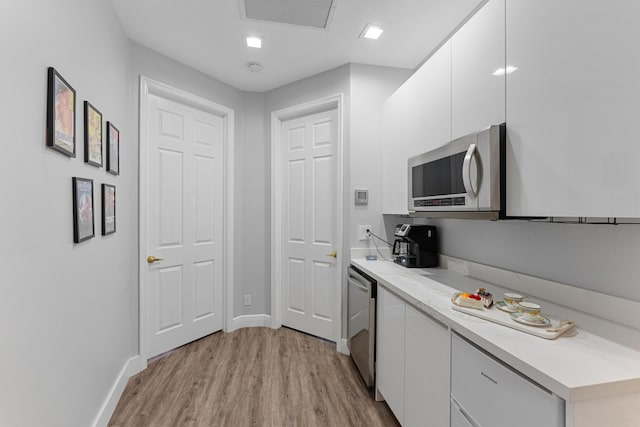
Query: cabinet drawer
column 496, row 395
column 457, row 417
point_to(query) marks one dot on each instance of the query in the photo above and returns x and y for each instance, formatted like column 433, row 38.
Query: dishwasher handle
column 363, row 282
column 358, row 286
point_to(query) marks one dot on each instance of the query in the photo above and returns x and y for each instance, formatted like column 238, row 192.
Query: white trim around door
column 149, row 86
column 334, row 102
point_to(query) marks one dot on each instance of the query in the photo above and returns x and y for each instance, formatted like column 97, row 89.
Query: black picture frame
column 108, row 209
column 113, row 149
column 61, row 114
column 92, row 135
column 83, row 215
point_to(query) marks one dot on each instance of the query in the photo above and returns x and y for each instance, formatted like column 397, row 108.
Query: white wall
column 370, row 87
column 252, row 274
column 602, row 258
column 162, row 68
column 67, row 318
column 321, row 85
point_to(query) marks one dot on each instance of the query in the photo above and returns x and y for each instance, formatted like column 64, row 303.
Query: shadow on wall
column 600, row 258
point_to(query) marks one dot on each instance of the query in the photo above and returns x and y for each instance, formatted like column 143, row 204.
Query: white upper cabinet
column 478, row 71
column 416, row 118
column 434, row 101
column 400, row 136
column 573, row 108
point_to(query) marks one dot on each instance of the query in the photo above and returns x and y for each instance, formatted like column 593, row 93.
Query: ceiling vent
column 303, row 13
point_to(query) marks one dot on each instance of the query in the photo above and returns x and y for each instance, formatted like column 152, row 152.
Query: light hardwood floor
column 251, row 377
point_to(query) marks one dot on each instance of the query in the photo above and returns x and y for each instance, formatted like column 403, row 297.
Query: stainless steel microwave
column 461, row 179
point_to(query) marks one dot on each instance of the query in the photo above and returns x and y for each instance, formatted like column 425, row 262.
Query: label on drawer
column 495, row 395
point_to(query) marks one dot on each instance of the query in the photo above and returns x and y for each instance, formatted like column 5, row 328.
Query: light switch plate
column 361, row 197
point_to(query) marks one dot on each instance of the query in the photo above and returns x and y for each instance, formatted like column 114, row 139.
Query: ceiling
column 207, row 35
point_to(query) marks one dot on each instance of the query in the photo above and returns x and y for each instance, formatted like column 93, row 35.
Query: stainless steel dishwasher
column 361, row 325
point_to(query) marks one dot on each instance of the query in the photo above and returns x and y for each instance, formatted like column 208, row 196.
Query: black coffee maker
column 416, row 246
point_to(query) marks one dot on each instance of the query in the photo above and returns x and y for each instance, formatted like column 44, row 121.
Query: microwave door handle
column 466, row 171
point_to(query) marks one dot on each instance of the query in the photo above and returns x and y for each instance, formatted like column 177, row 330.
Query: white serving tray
column 503, row 318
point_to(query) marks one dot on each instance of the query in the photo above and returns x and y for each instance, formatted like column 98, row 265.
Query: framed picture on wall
column 113, row 149
column 108, row 209
column 83, row 226
column 61, row 114
column 92, row 135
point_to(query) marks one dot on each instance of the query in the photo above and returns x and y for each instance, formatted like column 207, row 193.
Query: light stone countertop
column 577, row 368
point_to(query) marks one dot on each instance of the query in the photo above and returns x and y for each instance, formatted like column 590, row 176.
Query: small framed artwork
column 113, row 149
column 83, row 226
column 92, row 135
column 61, row 114
column 108, row 209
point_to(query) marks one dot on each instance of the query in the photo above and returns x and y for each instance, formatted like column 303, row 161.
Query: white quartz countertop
column 579, row 367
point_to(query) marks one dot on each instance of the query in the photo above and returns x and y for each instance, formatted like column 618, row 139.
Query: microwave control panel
column 444, row 201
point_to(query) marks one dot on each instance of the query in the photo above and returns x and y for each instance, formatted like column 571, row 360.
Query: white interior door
column 309, row 228
column 184, row 224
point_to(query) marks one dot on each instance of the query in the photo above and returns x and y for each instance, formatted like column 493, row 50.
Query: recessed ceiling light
column 371, row 32
column 253, row 42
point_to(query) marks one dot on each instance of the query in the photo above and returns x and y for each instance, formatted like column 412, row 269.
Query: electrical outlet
column 247, row 300
column 362, row 232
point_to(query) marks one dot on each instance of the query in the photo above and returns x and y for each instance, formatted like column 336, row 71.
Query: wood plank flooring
column 251, row 377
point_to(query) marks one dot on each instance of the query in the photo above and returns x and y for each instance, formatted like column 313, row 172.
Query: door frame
column 148, row 87
column 277, row 117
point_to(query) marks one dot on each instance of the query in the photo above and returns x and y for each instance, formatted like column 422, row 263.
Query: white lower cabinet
column 412, row 363
column 486, row 393
column 390, row 350
column 426, row 381
column 458, row 419
column 430, row 376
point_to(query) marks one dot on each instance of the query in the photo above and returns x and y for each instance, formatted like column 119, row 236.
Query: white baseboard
column 342, row 347
column 131, row 367
column 251, row 321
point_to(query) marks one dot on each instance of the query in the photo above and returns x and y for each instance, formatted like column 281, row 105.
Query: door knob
column 151, row 259
column 333, row 254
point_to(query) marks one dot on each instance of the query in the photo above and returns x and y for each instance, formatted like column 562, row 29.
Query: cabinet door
column 427, row 359
column 477, row 84
column 434, row 86
column 400, row 134
column 573, row 108
column 390, row 350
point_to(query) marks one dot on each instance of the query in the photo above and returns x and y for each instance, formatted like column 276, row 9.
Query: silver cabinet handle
column 466, row 172
column 358, row 286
